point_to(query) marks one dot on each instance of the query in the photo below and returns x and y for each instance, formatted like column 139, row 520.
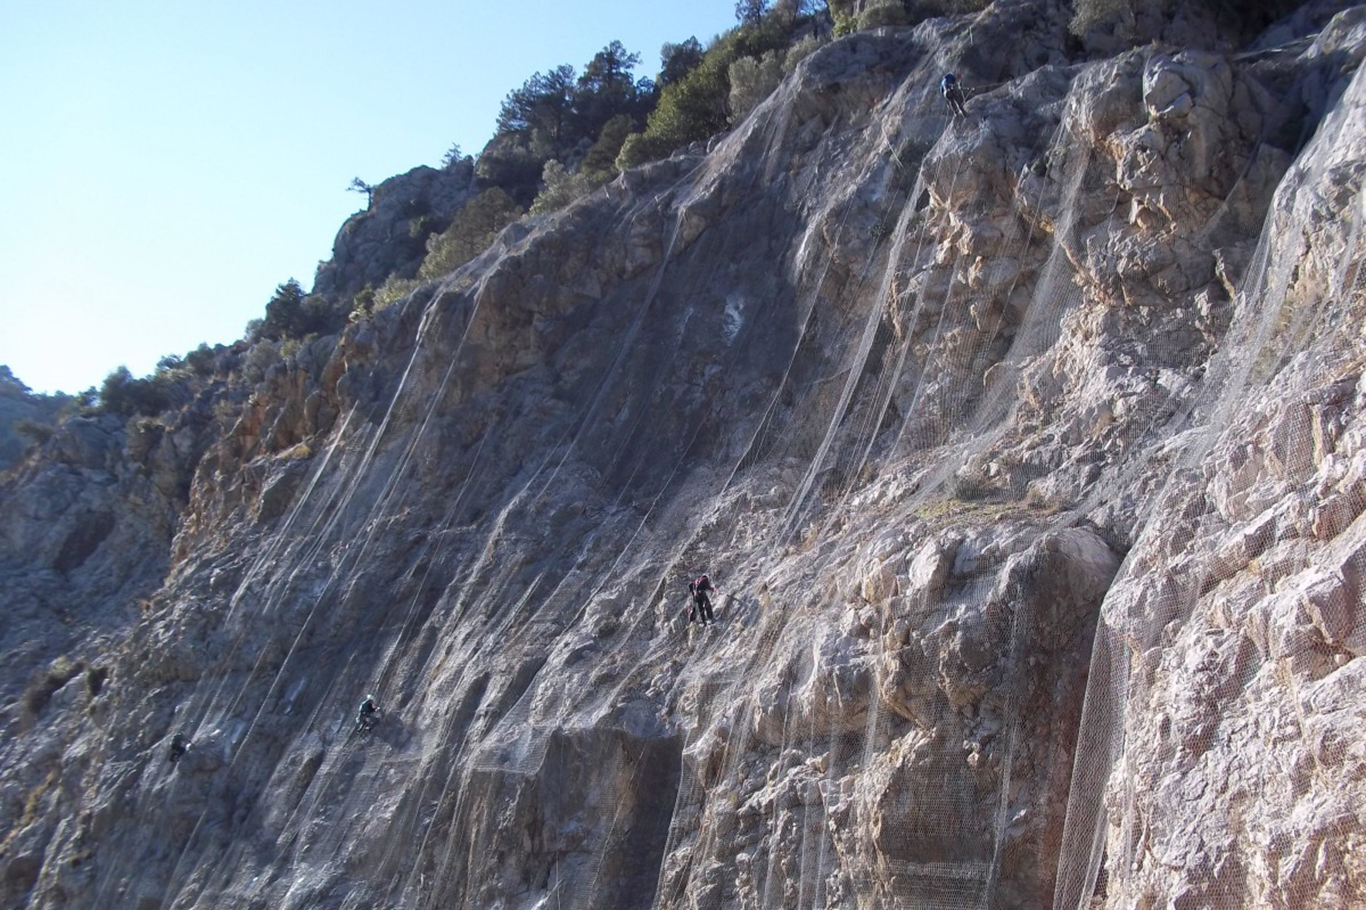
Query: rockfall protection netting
column 1226, row 644
column 1240, row 454
column 935, row 365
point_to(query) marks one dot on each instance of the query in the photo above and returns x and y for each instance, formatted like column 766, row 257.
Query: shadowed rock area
column 1027, row 449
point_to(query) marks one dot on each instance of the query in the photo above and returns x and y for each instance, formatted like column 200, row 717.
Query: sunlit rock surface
column 1026, row 449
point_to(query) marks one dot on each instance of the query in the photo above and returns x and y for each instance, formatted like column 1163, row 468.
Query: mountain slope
column 1027, row 449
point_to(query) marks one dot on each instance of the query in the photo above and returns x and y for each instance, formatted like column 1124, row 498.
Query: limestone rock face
column 1233, row 629
column 389, row 236
column 1026, row 450
column 17, row 405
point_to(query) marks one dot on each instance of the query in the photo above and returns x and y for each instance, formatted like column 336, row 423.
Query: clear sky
column 167, row 164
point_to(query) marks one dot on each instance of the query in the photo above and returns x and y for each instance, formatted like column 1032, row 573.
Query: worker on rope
column 701, row 590
column 953, row 94
column 365, row 717
column 180, row 744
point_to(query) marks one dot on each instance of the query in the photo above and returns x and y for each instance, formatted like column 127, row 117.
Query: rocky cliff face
column 18, row 407
column 1027, row 449
column 389, row 237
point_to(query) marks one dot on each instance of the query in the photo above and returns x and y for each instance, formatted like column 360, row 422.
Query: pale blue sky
column 167, row 164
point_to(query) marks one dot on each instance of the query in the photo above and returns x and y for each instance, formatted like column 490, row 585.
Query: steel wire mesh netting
column 916, row 698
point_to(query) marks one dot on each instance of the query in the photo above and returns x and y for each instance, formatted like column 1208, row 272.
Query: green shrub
column 202, row 360
column 34, row 431
column 7, row 377
column 606, row 90
column 883, row 13
column 799, row 52
column 199, row 363
column 692, row 109
column 393, row 290
column 600, row 162
column 289, row 347
column 292, row 314
column 81, row 403
column 640, row 148
column 677, row 60
column 363, row 303
column 469, row 234
column 127, row 396
column 842, row 13
column 561, row 188
column 421, row 227
column 263, row 355
column 43, row 686
column 558, row 115
column 752, row 79
column 697, row 106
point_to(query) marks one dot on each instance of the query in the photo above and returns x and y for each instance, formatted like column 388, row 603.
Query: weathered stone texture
column 1027, row 449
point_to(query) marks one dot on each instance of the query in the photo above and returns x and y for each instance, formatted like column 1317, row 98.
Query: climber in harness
column 366, row 716
column 701, row 601
column 953, row 94
column 180, row 744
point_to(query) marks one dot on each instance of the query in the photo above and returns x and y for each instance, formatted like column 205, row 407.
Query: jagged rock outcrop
column 19, row 406
column 1026, row 447
column 389, row 238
